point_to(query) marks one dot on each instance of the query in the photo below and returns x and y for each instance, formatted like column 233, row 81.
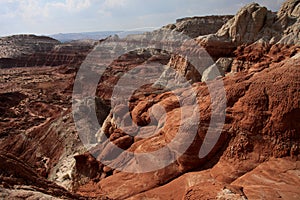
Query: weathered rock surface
column 37, row 130
column 261, row 123
column 22, row 181
column 283, row 184
column 258, row 56
column 203, row 185
column 290, row 8
column 251, row 24
column 248, row 24
column 125, row 63
column 36, row 123
column 196, row 26
column 220, row 68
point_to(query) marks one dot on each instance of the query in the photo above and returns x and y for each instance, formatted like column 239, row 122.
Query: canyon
column 245, row 95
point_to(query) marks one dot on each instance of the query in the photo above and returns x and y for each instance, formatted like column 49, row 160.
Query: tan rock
column 196, row 26
column 290, row 8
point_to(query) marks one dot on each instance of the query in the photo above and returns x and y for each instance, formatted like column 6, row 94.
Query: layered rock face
column 254, row 156
column 31, row 51
column 38, row 136
column 14, row 46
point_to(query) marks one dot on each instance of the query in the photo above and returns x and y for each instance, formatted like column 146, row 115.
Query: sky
column 68, row 16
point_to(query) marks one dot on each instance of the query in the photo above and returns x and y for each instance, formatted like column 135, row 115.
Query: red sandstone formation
column 261, row 123
column 256, row 156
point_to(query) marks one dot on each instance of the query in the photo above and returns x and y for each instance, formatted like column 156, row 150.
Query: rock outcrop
column 290, row 8
column 254, row 23
column 289, row 18
column 196, row 26
column 260, row 124
column 22, row 182
column 248, row 25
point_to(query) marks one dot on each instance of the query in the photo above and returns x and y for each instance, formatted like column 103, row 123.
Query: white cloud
column 34, row 8
column 77, row 5
column 30, row 9
column 37, row 10
column 114, row 3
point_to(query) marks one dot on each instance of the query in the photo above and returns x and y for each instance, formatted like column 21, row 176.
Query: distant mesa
column 68, row 37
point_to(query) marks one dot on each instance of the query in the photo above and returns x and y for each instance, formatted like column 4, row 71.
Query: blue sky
column 64, row 16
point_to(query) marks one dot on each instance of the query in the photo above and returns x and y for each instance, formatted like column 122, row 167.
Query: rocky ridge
column 262, row 26
column 33, row 51
column 196, row 26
